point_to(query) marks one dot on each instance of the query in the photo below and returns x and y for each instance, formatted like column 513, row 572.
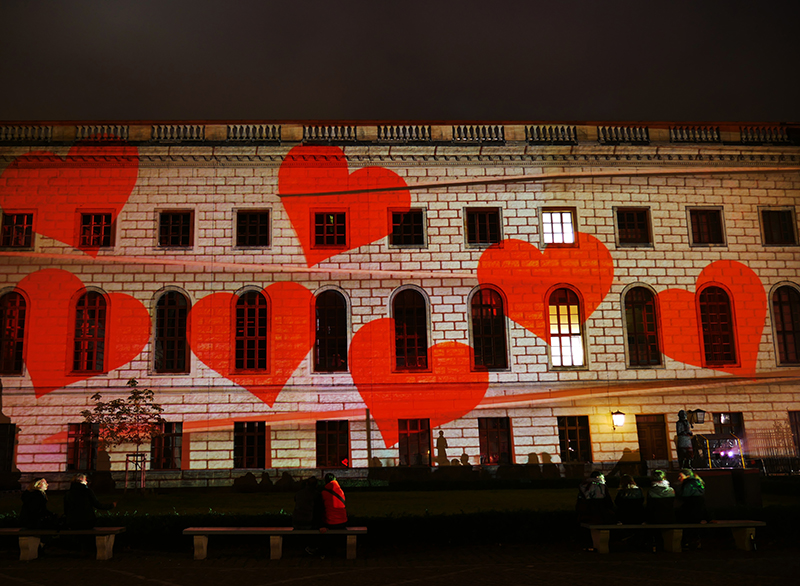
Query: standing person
column 333, row 497
column 34, row 513
column 629, row 501
column 683, row 440
column 80, row 503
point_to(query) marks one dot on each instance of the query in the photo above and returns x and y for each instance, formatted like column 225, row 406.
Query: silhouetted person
column 594, row 504
column 309, row 508
column 34, row 513
column 80, row 504
column 683, row 440
column 441, row 450
column 629, row 501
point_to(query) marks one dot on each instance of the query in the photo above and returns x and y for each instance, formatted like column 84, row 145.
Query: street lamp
column 618, row 419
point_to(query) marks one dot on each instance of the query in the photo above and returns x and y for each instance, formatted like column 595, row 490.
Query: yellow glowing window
column 558, row 227
column 566, row 341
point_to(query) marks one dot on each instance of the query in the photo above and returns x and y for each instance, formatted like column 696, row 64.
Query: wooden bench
column 744, row 533
column 276, row 534
column 29, row 539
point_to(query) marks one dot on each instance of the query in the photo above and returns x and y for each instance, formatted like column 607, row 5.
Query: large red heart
column 59, row 188
column 290, row 337
column 52, row 294
column 311, row 169
column 526, row 275
column 450, row 390
column 680, row 326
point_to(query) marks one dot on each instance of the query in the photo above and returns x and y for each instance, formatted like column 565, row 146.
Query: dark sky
column 522, row 60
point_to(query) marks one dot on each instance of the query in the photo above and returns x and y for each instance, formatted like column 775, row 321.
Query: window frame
column 29, row 232
column 475, row 336
column 735, row 423
column 170, row 438
column 418, row 328
column 472, row 234
column 423, row 225
column 111, row 228
column 575, row 424
column 185, row 352
column 584, row 365
column 82, row 333
column 340, row 340
column 250, row 445
column 17, row 343
column 404, row 443
column 160, row 242
column 262, row 340
column 345, row 245
column 648, row 243
column 780, row 334
column 238, row 236
column 333, row 436
column 707, row 347
column 82, row 446
column 695, row 212
column 495, row 431
column 629, row 352
column 573, row 212
column 792, row 224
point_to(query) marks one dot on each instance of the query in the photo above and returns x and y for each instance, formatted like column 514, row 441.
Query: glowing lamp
column 618, row 417
column 697, row 416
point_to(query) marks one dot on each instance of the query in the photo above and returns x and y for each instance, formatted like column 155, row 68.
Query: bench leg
column 744, row 537
column 275, row 547
column 600, row 540
column 672, row 539
column 105, row 546
column 351, row 547
column 28, row 548
column 200, row 547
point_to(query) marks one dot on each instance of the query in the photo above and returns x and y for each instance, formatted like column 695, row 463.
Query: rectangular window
column 729, row 423
column 17, row 230
column 165, row 449
column 415, row 442
column 97, row 230
column 408, row 228
column 82, row 446
column 249, row 444
column 330, row 229
column 573, row 436
column 778, row 227
column 175, row 229
column 633, row 227
column 252, row 228
column 483, row 226
column 495, row 440
column 794, row 426
column 706, row 226
column 558, row 226
column 333, row 444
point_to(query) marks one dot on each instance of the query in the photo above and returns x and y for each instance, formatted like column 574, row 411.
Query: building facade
column 359, row 295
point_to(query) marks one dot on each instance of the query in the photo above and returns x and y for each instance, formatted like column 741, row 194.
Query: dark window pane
column 330, row 229
column 411, row 331
column 171, row 346
column 717, row 324
column 251, row 332
column 706, row 227
column 96, row 230
column 778, row 227
column 12, row 334
column 90, row 333
column 165, row 449
column 249, row 444
column 415, row 442
column 573, row 436
column 729, row 423
column 642, row 328
column 82, row 446
column 175, row 229
column 786, row 318
column 17, row 231
column 489, row 330
column 333, row 447
column 495, row 440
column 408, row 228
column 633, row 226
column 252, row 228
column 483, row 226
column 330, row 345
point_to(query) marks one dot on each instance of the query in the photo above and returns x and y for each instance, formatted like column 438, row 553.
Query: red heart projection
column 450, row 390
column 59, row 188
column 51, row 324
column 525, row 275
column 290, row 337
column 311, row 169
column 679, row 316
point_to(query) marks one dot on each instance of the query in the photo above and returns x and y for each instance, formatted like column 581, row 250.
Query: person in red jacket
column 333, row 497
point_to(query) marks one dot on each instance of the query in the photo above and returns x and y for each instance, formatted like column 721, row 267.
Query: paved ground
column 510, row 565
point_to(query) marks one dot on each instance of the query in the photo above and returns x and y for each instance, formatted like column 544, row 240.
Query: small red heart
column 311, row 169
column 526, row 275
column 345, row 462
column 680, row 327
column 450, row 390
column 290, row 337
column 58, row 188
column 52, row 294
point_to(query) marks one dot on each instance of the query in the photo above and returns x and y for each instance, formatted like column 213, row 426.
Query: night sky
column 438, row 60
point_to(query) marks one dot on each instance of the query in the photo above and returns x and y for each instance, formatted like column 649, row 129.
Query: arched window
column 330, row 343
column 12, row 333
column 716, row 320
column 410, row 330
column 642, row 327
column 786, row 317
column 88, row 350
column 566, row 339
column 171, row 347
column 251, row 332
column 488, row 329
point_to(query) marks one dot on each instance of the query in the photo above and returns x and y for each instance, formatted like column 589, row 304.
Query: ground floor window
column 82, row 442
column 415, row 442
column 8, row 434
column 249, row 444
column 573, row 436
column 333, row 444
column 729, row 423
column 165, row 449
column 495, row 440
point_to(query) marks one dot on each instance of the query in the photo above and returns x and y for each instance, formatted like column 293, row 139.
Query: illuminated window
column 778, row 227
column 17, row 230
column 252, row 228
column 706, row 226
column 330, row 345
column 411, row 330
column 88, row 353
column 642, row 328
column 494, row 434
column 12, row 334
column 408, row 228
column 717, row 324
column 729, row 423
column 566, row 341
column 330, row 229
column 483, row 226
column 97, row 230
column 82, row 442
column 633, row 227
column 333, row 445
column 250, row 352
column 415, row 442
column 573, row 437
column 249, row 444
column 488, row 330
column 786, row 320
column 171, row 346
column 165, row 449
column 176, row 229
column 558, row 227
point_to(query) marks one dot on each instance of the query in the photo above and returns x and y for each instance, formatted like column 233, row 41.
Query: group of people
column 80, row 503
column 319, row 509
